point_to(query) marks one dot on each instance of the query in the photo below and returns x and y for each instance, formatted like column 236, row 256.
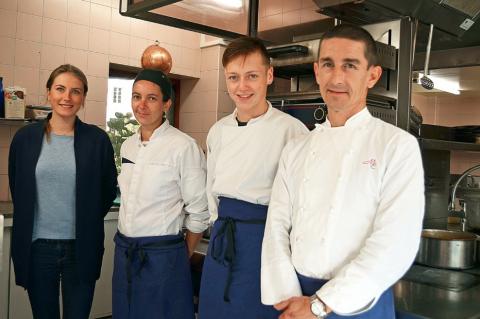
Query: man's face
column 343, row 75
column 148, row 105
column 247, row 80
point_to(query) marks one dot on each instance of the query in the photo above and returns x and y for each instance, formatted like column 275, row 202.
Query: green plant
column 120, row 128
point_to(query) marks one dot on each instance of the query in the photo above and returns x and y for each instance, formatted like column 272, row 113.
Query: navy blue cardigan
column 96, row 180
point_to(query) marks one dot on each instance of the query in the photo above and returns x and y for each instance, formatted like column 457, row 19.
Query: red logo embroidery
column 372, row 162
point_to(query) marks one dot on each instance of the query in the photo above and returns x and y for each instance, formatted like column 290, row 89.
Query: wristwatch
column 317, row 307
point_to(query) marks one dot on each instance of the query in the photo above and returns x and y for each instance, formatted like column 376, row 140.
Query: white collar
column 356, row 121
column 158, row 132
column 266, row 115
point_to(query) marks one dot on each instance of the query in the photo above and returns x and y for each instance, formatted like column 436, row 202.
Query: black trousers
column 52, row 265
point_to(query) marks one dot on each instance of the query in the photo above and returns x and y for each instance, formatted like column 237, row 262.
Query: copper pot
column 156, row 57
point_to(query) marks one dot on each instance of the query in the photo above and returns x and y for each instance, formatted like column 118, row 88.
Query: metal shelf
column 441, row 145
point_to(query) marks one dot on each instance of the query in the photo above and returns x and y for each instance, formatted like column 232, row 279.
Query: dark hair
column 159, row 78
column 64, row 68
column 355, row 33
column 244, row 46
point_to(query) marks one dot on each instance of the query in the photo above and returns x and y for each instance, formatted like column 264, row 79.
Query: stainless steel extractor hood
column 456, row 22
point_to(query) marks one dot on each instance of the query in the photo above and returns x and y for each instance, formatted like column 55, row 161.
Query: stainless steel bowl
column 447, row 249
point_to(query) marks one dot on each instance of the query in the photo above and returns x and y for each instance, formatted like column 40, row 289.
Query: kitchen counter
column 431, row 302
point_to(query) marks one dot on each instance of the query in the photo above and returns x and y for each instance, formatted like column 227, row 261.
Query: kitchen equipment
column 447, row 249
column 156, row 57
column 1, row 242
column 426, row 82
column 470, row 216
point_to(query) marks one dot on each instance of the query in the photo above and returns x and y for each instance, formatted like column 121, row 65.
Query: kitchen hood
column 456, row 21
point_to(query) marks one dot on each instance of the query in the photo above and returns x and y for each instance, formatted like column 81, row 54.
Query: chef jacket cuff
column 347, row 302
column 195, row 226
column 279, row 282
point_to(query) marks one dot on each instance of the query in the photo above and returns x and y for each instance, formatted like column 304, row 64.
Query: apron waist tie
column 135, row 248
column 226, row 256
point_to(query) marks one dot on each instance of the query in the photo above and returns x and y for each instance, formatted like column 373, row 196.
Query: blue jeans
column 53, row 262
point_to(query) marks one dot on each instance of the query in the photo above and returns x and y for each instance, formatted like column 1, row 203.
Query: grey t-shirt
column 55, row 180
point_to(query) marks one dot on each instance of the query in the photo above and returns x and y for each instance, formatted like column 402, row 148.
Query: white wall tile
column 29, row 27
column 115, row 4
column 137, row 46
column 118, row 59
column 97, row 88
column 134, row 62
column 27, row 53
column 79, row 58
column 107, row 3
column 42, row 85
column 55, row 9
column 27, row 78
column 95, row 112
column 54, row 32
column 190, row 39
column 12, row 4
column 98, row 40
column 210, row 58
column 8, row 23
column 120, row 23
column 100, row 16
column 77, row 36
column 4, row 136
column 31, row 99
column 7, row 72
column 31, row 6
column 78, row 12
column 7, row 53
column 119, row 44
column 190, row 58
column 97, row 64
column 52, row 56
column 140, row 29
column 4, row 188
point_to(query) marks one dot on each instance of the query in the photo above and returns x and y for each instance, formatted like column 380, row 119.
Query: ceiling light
column 442, row 84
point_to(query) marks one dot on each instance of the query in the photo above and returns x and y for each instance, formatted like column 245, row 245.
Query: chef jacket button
column 306, row 179
column 313, row 153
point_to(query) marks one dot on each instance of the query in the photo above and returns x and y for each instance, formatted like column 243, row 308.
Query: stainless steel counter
column 432, row 302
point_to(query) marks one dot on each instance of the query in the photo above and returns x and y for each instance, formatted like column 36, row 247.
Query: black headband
column 159, row 78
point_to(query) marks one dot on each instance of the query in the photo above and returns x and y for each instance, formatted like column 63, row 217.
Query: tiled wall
column 452, row 110
column 206, row 100
column 38, row 35
column 6, row 134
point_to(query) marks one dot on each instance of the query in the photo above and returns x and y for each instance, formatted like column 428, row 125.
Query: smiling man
column 243, row 153
column 163, row 190
column 347, row 204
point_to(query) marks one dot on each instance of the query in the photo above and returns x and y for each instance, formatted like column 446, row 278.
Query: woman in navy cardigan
column 63, row 182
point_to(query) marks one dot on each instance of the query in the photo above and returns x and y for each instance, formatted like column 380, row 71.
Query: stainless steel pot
column 447, row 249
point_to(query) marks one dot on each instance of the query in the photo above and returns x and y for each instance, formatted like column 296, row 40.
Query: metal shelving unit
column 441, row 145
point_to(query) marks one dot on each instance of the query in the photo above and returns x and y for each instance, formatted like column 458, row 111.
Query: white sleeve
column 278, row 276
column 192, row 186
column 211, row 164
column 391, row 248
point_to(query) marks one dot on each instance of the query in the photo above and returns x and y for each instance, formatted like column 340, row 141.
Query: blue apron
column 230, row 286
column 151, row 278
column 384, row 308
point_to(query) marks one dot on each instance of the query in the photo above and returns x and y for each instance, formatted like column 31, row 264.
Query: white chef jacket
column 164, row 186
column 242, row 160
column 347, row 206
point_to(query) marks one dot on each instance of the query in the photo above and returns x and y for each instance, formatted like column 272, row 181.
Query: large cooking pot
column 472, row 203
column 447, row 249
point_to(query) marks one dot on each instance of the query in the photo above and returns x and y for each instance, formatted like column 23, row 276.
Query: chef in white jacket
column 163, row 190
column 347, row 205
column 243, row 153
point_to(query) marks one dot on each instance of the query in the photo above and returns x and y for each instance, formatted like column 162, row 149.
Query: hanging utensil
column 426, row 82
